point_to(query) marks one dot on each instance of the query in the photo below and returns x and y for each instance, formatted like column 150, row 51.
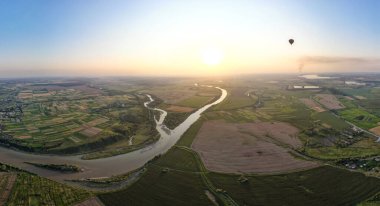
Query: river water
column 115, row 165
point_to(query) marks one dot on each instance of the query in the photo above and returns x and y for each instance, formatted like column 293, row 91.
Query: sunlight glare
column 212, row 56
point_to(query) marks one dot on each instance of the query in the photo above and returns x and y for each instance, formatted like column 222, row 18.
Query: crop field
column 33, row 190
column 319, row 186
column 30, row 190
column 360, row 118
column 238, row 97
column 277, row 104
column 167, row 180
column 178, row 159
column 269, row 103
column 312, row 104
column 170, row 180
column 265, row 144
column 174, row 108
column 282, row 106
column 237, row 116
column 329, row 101
column 195, row 101
column 171, row 94
column 371, row 98
column 330, row 120
column 202, row 96
column 70, row 117
column 6, row 184
column 182, row 100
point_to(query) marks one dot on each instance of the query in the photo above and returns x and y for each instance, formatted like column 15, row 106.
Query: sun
column 212, row 56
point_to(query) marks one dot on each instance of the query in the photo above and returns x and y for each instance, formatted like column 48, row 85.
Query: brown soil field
column 6, row 184
column 25, row 95
column 97, row 121
column 249, row 147
column 90, row 132
column 329, row 101
column 174, row 108
column 375, row 130
column 89, row 128
column 312, row 105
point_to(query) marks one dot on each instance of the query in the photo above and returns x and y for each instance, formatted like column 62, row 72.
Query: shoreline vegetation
column 58, row 167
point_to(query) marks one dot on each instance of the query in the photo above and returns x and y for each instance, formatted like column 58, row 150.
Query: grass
column 178, row 159
column 237, row 98
column 177, row 185
column 371, row 104
column 281, row 106
column 333, row 121
column 188, row 138
column 195, row 101
column 157, row 188
column 360, row 117
column 373, row 201
column 320, row 186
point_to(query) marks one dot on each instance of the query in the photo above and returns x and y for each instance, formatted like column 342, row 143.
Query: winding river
column 112, row 165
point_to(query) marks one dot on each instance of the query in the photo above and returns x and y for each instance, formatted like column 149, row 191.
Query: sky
column 177, row 38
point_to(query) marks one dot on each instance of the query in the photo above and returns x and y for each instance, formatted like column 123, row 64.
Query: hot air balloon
column 291, row 41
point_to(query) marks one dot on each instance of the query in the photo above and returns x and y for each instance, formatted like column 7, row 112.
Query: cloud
column 315, row 60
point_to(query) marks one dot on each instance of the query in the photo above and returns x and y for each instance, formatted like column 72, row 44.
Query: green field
column 372, row 98
column 320, row 186
column 170, row 180
column 331, row 120
column 178, row 159
column 360, row 117
column 238, row 115
column 237, row 98
column 195, row 101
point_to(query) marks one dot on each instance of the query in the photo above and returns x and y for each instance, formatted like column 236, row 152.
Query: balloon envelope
column 291, row 41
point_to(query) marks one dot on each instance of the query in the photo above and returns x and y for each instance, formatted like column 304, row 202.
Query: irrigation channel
column 110, row 166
